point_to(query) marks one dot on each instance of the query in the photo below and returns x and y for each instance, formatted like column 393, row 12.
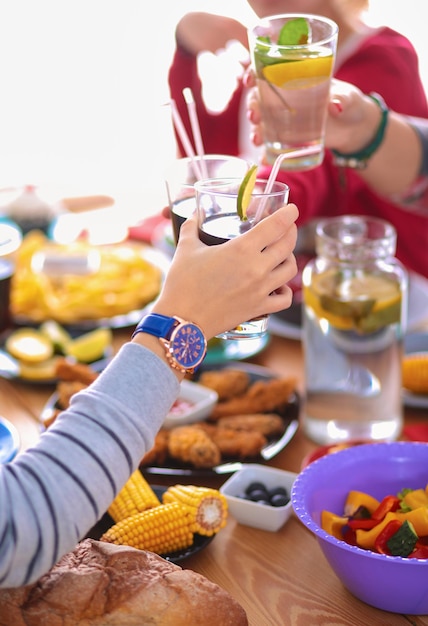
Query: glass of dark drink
column 220, row 218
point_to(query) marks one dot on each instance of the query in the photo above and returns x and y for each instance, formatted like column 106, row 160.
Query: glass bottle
column 354, row 316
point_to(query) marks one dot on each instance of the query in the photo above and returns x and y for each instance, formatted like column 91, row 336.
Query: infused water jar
column 354, row 317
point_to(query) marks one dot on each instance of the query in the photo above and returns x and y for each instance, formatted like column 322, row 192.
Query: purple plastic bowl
column 393, row 584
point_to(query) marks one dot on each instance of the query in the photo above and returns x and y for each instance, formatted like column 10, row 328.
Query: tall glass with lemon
column 293, row 58
column 355, row 307
column 229, row 207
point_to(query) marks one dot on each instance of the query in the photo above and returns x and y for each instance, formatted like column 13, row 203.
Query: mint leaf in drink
column 295, row 32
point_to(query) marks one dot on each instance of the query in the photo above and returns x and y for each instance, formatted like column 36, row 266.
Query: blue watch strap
column 157, row 325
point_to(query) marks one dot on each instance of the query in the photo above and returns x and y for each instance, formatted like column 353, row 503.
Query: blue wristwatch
column 184, row 342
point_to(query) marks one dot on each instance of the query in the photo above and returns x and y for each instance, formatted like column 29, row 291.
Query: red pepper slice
column 363, row 524
column 349, row 535
column 386, row 534
column 420, row 551
column 388, row 504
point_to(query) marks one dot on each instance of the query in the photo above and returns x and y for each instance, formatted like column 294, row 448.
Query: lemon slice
column 362, row 302
column 245, row 190
column 302, row 72
column 45, row 370
column 56, row 334
column 29, row 345
column 90, row 346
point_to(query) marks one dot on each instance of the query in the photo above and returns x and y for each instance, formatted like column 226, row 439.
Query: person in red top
column 378, row 60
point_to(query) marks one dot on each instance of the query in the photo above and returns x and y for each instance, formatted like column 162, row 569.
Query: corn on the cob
column 415, row 372
column 134, row 497
column 162, row 529
column 207, row 507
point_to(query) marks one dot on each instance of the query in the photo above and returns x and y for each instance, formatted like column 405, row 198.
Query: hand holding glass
column 219, row 221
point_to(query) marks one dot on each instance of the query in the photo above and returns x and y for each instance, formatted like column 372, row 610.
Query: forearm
column 198, row 32
column 396, row 164
column 52, row 495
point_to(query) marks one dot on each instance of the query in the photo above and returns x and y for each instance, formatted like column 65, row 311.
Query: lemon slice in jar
column 362, row 302
column 244, row 192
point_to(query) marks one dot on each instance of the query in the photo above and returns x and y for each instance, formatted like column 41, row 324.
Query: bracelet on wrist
column 358, row 160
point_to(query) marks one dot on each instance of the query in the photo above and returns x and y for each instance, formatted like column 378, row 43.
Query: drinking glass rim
column 309, row 16
column 214, row 185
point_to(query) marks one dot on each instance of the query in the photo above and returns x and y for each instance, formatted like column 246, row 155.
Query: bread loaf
column 101, row 584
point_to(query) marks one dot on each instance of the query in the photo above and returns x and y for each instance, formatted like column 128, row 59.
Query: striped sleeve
column 52, row 494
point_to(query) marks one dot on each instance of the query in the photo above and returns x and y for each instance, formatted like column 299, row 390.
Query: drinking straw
column 292, row 154
column 182, row 133
column 196, row 129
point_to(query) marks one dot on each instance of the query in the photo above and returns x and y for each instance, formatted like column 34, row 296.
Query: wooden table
column 282, row 578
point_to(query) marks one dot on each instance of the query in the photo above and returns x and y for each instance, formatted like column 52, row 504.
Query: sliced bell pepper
column 349, row 535
column 333, row 524
column 366, row 538
column 381, row 541
column 420, row 551
column 387, row 505
column 363, row 523
column 356, row 499
column 416, row 498
column 419, row 519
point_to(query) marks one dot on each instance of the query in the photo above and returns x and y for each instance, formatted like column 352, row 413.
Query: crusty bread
column 101, row 584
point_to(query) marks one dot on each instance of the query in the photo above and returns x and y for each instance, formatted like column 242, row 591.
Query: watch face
column 188, row 345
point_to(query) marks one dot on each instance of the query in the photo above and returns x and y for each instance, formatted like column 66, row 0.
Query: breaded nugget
column 67, row 389
column 238, row 444
column 226, row 382
column 157, row 455
column 80, row 372
column 263, row 396
column 268, row 424
column 193, row 445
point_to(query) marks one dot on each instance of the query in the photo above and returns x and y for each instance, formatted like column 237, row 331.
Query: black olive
column 255, row 485
column 279, row 499
column 258, row 494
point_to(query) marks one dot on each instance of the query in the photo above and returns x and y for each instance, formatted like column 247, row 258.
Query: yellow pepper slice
column 355, row 499
column 367, row 538
column 416, row 498
column 419, row 518
column 333, row 524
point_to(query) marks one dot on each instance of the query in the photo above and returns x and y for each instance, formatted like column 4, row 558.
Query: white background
column 83, row 84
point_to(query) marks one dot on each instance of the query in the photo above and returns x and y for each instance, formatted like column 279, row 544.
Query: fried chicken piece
column 238, row 443
column 192, row 445
column 67, row 389
column 79, row 372
column 268, row 424
column 157, row 455
column 227, row 383
column 263, row 396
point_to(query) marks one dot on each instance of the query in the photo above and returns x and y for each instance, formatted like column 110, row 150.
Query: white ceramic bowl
column 254, row 513
column 201, row 401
